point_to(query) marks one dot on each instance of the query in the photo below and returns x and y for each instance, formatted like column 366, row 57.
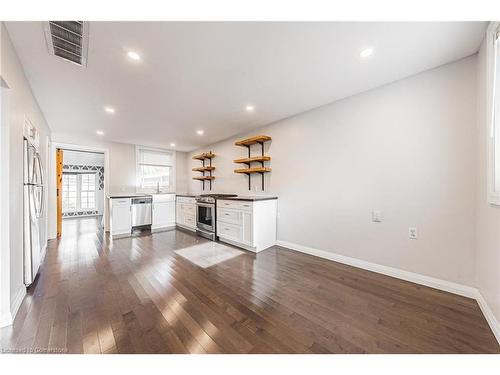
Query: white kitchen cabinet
column 247, row 224
column 185, row 216
column 163, row 212
column 121, row 217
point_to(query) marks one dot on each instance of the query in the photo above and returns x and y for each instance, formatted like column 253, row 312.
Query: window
column 87, row 191
column 69, row 193
column 155, row 170
column 78, row 192
column 493, row 53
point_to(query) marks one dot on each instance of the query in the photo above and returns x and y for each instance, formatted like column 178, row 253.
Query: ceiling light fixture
column 99, row 132
column 366, row 53
column 250, row 108
column 200, row 132
column 133, row 55
column 109, row 109
column 172, row 144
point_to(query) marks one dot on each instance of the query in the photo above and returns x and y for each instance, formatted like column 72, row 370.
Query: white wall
column 404, row 148
column 487, row 216
column 122, row 168
column 22, row 103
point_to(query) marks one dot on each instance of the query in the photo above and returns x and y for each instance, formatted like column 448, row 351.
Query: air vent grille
column 68, row 40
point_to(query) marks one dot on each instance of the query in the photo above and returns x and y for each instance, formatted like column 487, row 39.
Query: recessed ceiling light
column 200, row 132
column 172, row 144
column 366, row 53
column 250, row 108
column 109, row 109
column 133, row 55
column 99, row 132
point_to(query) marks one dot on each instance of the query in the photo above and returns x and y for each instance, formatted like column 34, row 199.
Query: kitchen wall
column 487, row 216
column 21, row 103
column 404, row 148
column 121, row 169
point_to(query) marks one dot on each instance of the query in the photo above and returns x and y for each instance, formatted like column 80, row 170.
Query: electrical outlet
column 376, row 216
column 412, row 233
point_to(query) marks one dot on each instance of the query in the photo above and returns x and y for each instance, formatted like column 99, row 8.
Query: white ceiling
column 200, row 75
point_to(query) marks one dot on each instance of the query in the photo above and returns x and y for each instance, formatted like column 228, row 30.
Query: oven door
column 205, row 218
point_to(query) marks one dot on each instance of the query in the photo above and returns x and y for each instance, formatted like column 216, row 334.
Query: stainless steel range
column 206, row 214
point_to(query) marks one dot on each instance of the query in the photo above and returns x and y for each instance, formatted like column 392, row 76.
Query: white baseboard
column 488, row 314
column 16, row 303
column 6, row 319
column 447, row 286
column 429, row 281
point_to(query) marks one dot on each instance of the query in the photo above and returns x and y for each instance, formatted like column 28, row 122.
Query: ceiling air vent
column 68, row 40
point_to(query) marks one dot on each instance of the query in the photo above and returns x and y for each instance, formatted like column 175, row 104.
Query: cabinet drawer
column 189, row 208
column 191, row 200
column 229, row 216
column 229, row 231
column 239, row 205
column 190, row 221
column 121, row 201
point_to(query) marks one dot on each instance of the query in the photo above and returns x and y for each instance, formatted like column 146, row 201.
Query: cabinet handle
column 226, row 214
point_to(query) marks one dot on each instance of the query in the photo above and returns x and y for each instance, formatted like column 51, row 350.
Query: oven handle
column 205, row 205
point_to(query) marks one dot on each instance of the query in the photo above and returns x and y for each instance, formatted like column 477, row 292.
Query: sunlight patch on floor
column 208, row 254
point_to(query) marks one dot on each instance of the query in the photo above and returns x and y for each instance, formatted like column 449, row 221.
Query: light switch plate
column 412, row 233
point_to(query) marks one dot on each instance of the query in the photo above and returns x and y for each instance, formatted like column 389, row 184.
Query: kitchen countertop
column 128, row 195
column 254, row 198
column 187, row 195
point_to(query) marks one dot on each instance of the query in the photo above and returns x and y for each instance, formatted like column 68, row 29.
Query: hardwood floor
column 138, row 295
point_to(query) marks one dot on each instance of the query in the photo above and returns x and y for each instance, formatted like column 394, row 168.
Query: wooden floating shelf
column 253, row 140
column 253, row 170
column 203, row 178
column 204, row 156
column 203, row 169
column 252, row 159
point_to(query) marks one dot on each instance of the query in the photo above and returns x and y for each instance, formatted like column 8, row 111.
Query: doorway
column 80, row 180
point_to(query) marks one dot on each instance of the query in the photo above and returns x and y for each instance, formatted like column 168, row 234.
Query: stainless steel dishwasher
column 141, row 211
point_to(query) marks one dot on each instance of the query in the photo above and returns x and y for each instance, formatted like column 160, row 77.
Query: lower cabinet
column 185, row 213
column 120, row 217
column 163, row 212
column 250, row 225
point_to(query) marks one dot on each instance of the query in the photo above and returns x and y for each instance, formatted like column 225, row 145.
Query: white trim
column 432, row 282
column 6, row 319
column 5, row 315
column 488, row 314
column 447, row 286
column 493, row 196
column 16, row 303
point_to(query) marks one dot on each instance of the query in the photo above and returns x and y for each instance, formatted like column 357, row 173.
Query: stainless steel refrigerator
column 33, row 211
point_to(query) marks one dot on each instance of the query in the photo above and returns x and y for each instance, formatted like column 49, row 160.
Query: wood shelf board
column 203, row 169
column 201, row 178
column 253, row 170
column 204, row 156
column 253, row 140
column 252, row 159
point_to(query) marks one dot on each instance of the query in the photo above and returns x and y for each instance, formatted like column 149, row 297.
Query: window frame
column 492, row 118
column 79, row 190
column 172, row 186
